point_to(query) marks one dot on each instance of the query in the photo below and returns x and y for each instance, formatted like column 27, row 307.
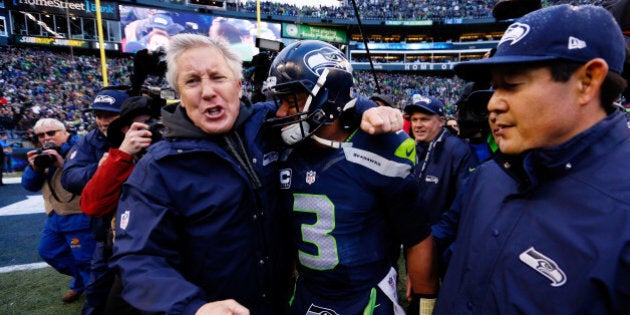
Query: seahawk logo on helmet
column 326, row 57
column 319, row 72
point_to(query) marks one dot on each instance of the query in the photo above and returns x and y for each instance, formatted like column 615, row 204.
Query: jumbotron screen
column 152, row 28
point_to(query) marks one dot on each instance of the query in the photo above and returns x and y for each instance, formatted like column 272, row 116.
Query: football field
column 27, row 284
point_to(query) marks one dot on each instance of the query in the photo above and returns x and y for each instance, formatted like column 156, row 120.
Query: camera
column 157, row 129
column 472, row 112
column 45, row 160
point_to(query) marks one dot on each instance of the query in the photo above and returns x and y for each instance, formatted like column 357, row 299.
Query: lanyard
column 427, row 156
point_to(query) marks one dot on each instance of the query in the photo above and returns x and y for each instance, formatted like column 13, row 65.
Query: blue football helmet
column 322, row 72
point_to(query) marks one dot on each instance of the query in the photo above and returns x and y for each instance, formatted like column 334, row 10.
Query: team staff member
column 66, row 243
column 198, row 220
column 82, row 162
column 353, row 197
column 444, row 160
column 545, row 225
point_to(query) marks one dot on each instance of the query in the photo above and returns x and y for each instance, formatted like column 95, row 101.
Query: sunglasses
column 49, row 133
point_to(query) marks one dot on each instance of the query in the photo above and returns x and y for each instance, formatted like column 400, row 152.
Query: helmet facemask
column 315, row 79
column 324, row 103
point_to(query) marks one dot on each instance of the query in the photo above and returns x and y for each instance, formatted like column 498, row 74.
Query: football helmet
column 321, row 72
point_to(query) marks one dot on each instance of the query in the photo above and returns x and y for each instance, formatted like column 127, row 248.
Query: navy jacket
column 195, row 225
column 546, row 232
column 450, row 160
column 81, row 164
column 82, row 161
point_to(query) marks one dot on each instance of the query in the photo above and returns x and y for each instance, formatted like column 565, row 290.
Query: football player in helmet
column 318, row 76
column 353, row 196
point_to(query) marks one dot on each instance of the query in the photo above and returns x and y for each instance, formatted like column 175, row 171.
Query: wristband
column 425, row 302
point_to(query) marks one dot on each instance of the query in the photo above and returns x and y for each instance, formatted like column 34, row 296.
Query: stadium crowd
column 436, row 10
column 551, row 123
column 39, row 83
column 45, row 84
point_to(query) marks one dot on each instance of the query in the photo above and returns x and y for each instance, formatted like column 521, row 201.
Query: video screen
column 151, row 28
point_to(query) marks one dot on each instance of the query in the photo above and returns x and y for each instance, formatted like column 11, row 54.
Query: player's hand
column 225, row 307
column 136, row 139
column 381, row 119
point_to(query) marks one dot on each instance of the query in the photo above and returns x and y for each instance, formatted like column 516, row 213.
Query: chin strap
column 329, row 143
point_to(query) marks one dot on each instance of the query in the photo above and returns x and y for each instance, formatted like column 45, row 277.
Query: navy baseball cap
column 427, row 104
column 109, row 100
column 575, row 33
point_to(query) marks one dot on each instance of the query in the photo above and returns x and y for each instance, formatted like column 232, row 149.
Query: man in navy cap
column 444, row 160
column 545, row 224
column 80, row 166
column 129, row 136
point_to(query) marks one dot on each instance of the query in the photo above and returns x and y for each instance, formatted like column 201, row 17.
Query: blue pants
column 101, row 282
column 67, row 244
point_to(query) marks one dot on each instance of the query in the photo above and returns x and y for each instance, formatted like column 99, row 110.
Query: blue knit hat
column 575, row 33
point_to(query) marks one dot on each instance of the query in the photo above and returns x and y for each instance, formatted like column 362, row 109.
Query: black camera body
column 45, row 160
column 157, row 129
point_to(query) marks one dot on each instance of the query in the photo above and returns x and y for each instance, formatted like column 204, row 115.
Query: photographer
column 81, row 165
column 67, row 243
column 129, row 136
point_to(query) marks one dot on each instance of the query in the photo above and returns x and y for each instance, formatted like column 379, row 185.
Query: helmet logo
column 326, row 57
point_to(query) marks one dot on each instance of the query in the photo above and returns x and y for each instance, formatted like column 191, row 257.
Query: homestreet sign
column 85, row 8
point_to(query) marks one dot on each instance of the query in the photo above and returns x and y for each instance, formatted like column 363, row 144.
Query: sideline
column 11, row 180
column 34, row 266
column 32, row 203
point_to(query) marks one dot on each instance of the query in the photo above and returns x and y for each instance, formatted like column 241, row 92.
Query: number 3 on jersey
column 318, row 233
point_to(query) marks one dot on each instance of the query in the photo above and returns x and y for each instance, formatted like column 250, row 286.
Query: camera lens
column 44, row 160
column 157, row 131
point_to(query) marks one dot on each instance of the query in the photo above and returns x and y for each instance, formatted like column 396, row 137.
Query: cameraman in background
column 129, row 136
column 79, row 168
column 67, row 243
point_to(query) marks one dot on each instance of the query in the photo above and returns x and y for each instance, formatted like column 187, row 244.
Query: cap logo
column 416, row 98
column 514, row 33
column 160, row 20
column 104, row 99
column 576, row 43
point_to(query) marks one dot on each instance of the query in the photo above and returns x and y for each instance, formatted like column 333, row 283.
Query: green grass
column 39, row 291
column 36, row 292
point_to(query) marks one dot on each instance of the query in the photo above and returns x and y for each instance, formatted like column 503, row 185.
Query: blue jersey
column 351, row 209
